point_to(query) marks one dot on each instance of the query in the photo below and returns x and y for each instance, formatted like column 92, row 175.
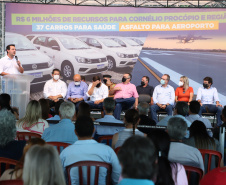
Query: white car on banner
column 70, row 55
column 127, row 43
column 33, row 61
column 117, row 55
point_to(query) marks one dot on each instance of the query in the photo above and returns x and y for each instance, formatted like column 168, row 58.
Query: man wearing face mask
column 97, row 92
column 55, row 89
column 208, row 98
column 107, row 81
column 145, row 88
column 77, row 90
column 163, row 97
column 125, row 95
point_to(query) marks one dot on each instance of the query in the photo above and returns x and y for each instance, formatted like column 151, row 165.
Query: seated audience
column 145, row 88
column 45, row 108
column 131, row 121
column 55, row 89
column 42, row 166
column 5, row 101
column 143, row 109
column 16, row 173
column 84, row 110
column 180, row 111
column 163, row 98
column 184, row 92
column 174, row 173
column 32, row 121
column 138, row 159
column 108, row 106
column 125, row 95
column 87, row 149
column 77, row 90
column 9, row 147
column 179, row 152
column 216, row 176
column 200, row 139
column 97, row 92
column 194, row 108
column 208, row 98
column 64, row 130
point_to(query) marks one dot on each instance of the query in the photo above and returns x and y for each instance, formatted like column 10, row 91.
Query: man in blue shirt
column 108, row 106
column 64, row 130
column 87, row 149
column 77, row 90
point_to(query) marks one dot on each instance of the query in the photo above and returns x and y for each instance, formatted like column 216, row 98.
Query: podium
column 18, row 87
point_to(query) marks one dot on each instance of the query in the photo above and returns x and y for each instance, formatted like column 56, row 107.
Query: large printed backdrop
column 108, row 40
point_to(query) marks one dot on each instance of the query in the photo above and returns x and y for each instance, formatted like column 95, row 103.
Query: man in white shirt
column 208, row 98
column 55, row 89
column 10, row 63
column 163, row 98
column 97, row 92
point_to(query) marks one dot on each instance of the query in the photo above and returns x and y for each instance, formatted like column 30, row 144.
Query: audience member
column 55, row 89
column 5, row 101
column 125, row 95
column 77, row 90
column 163, row 98
column 16, row 173
column 97, row 92
column 86, row 149
column 184, row 92
column 143, row 109
column 194, row 108
column 108, row 106
column 180, row 111
column 145, row 88
column 32, row 121
column 207, row 96
column 138, row 159
column 174, row 173
column 179, row 152
column 45, row 108
column 83, row 78
column 107, row 81
column 9, row 147
column 42, row 166
column 216, row 176
column 131, row 121
column 84, row 110
column 64, row 130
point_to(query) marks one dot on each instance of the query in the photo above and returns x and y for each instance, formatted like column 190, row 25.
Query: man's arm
column 3, row 74
column 136, row 103
column 20, row 69
column 94, row 84
column 116, row 168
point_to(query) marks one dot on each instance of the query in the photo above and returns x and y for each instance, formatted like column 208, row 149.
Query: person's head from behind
column 138, row 158
column 131, row 119
column 5, row 101
column 176, row 128
column 194, row 107
column 181, row 108
column 67, row 110
column 83, row 109
column 143, row 108
column 42, row 166
column 7, row 127
column 198, row 128
column 84, row 127
column 45, row 108
column 109, row 105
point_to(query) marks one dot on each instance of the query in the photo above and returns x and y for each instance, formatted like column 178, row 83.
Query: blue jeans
column 122, row 104
column 155, row 108
column 95, row 106
column 212, row 109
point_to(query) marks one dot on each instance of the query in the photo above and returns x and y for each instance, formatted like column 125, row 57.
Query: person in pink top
column 125, row 95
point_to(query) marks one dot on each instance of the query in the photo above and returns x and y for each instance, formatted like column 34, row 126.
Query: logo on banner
column 34, row 66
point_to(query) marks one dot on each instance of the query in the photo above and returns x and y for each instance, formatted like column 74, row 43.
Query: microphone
column 17, row 61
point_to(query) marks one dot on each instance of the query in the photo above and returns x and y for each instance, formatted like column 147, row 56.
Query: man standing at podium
column 10, row 63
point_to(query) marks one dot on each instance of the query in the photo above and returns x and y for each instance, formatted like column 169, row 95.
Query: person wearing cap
column 107, row 81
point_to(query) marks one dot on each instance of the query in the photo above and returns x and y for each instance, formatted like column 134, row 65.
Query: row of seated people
column 172, row 152
column 126, row 94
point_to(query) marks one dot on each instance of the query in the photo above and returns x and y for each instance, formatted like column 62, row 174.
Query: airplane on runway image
column 186, row 39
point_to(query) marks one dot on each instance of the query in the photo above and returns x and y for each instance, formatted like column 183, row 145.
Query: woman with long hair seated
column 168, row 173
column 16, row 173
column 32, row 121
column 131, row 120
column 42, row 166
